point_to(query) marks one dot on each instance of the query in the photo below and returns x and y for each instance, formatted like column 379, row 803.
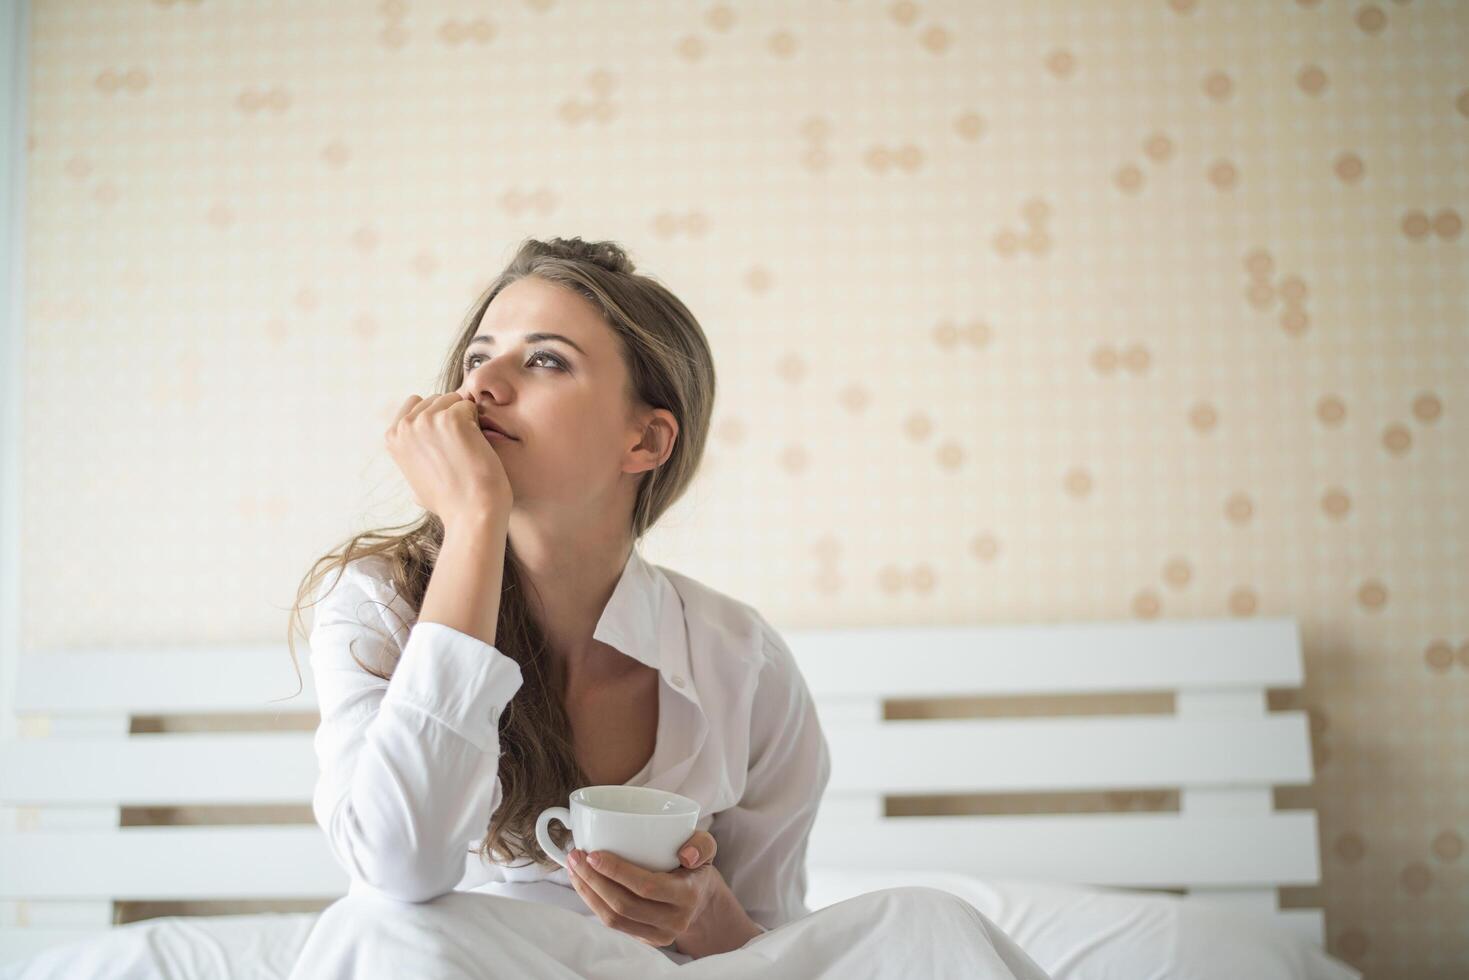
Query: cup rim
column 686, row 805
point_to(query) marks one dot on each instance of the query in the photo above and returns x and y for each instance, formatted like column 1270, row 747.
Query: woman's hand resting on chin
column 452, row 469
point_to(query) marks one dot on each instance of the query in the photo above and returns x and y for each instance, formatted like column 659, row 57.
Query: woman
column 543, row 653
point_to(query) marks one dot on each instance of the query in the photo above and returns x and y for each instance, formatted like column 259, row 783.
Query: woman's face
column 563, row 399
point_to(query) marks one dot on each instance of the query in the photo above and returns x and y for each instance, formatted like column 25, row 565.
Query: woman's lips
column 494, row 436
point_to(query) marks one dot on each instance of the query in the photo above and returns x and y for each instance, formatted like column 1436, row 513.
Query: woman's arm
column 409, row 768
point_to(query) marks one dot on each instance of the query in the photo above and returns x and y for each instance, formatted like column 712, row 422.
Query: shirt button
column 677, row 680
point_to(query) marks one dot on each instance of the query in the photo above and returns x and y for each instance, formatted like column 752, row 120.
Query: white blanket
column 1073, row 932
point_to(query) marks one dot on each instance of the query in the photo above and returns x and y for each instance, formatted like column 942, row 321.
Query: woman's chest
column 614, row 726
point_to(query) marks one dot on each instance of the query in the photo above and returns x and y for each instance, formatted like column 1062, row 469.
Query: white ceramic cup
column 637, row 823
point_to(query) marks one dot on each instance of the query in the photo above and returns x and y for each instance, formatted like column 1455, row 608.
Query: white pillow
column 1078, row 932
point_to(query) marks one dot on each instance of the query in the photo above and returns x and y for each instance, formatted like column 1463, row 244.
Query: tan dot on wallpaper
column 365, row 326
column 1260, row 265
column 393, row 9
column 601, row 81
column 306, row 299
column 1035, row 210
column 1203, row 417
column 936, row 39
column 828, row 547
column 1416, row 225
column 1311, row 79
column 1104, row 360
column 950, row 456
column 1372, row 595
column 1448, row 846
column 794, row 459
column 1218, row 85
column 829, row 580
column 1078, row 482
column 1447, row 224
column 1349, row 167
column 791, row 368
column 1294, row 321
column 1416, row 878
column 335, row 154
column 424, row 264
column 1177, row 572
column 1223, row 175
column 758, row 279
column 1292, row 289
column 1183, row 6
column 815, row 128
column 393, row 36
column 1427, row 407
column 854, row 397
column 1350, row 847
column 364, row 239
column 1331, row 410
column 970, row 126
column 985, row 546
column 1036, row 241
column 1439, row 655
column 908, row 157
column 1396, row 439
column 78, row 168
column 220, row 215
column 1007, row 242
column 721, row 17
column 1158, row 148
column 1061, row 63
column 1336, row 503
column 1128, row 178
column 731, row 432
column 1136, row 358
column 132, row 80
column 1371, row 19
column 1238, row 508
column 903, row 12
column 690, row 48
column 923, row 578
column 1243, row 601
column 782, row 44
column 1146, row 604
column 1261, row 295
column 917, row 426
column 477, row 31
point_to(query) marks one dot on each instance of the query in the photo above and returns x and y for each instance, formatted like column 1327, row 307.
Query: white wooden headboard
column 64, row 859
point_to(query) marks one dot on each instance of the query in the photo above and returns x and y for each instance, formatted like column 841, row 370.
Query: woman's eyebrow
column 532, row 338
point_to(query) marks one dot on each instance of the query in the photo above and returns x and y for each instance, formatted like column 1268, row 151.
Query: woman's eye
column 469, row 362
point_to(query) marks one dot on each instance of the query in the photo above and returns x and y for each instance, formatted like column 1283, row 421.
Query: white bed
column 1088, row 895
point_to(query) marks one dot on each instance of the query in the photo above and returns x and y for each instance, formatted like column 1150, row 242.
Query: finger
column 434, row 404
column 626, row 894
column 408, row 403
column 611, row 919
column 698, row 849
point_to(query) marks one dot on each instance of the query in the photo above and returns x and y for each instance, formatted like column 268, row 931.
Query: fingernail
column 595, row 860
column 575, row 857
column 689, row 854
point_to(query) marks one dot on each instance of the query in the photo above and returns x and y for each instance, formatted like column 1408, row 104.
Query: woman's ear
column 660, row 431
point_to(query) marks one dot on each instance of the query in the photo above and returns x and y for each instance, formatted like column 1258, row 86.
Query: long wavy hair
column 670, row 366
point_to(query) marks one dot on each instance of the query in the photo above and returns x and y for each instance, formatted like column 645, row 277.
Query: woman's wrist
column 722, row 925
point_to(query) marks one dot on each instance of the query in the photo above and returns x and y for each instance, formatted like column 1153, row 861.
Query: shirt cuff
column 458, row 679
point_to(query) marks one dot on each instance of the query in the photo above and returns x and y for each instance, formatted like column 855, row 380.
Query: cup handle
column 543, row 831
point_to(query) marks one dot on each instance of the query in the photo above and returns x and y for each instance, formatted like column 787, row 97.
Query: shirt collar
column 644, row 619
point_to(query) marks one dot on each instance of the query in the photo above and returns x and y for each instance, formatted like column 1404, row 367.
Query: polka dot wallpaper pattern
column 1023, row 313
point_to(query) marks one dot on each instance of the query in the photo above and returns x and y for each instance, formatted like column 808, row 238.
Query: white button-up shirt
column 409, row 768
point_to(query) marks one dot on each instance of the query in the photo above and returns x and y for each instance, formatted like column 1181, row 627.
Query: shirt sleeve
column 761, row 840
column 409, row 768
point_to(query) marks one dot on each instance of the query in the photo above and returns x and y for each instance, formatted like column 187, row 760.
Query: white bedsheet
column 1070, row 932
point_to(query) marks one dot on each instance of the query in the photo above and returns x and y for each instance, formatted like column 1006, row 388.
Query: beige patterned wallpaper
column 1023, row 312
